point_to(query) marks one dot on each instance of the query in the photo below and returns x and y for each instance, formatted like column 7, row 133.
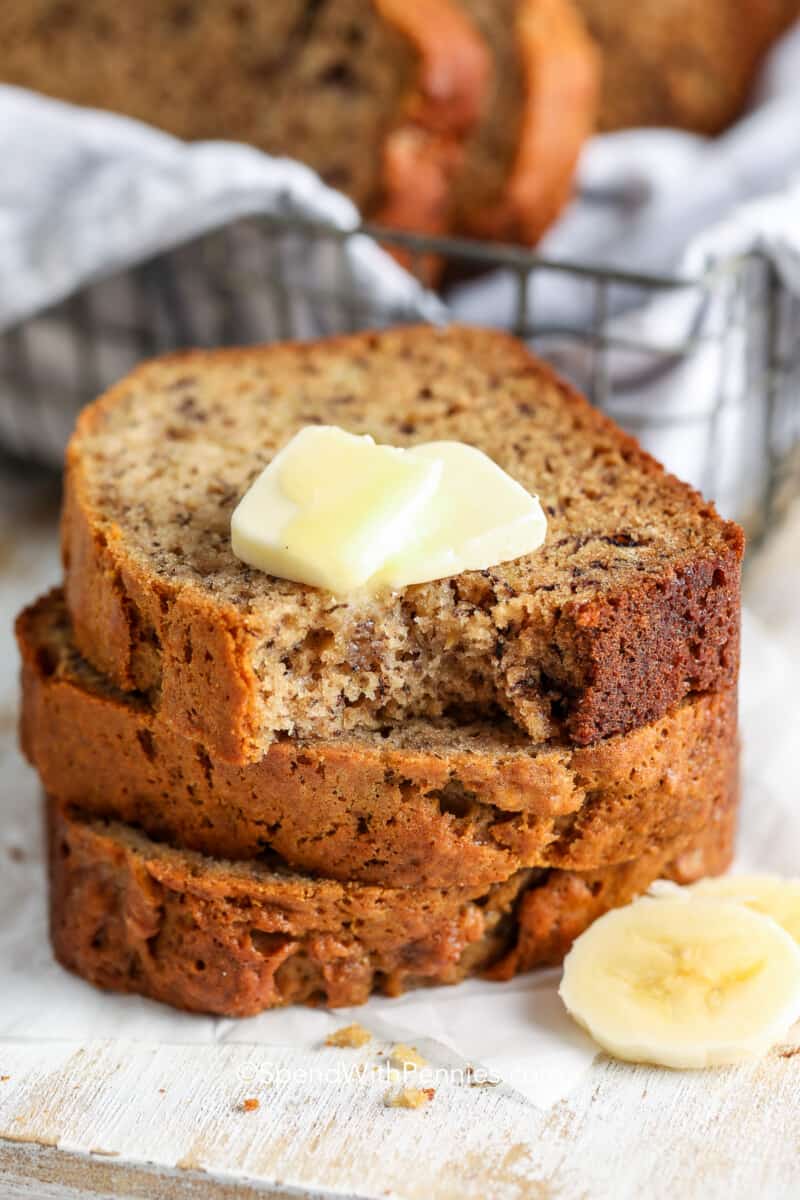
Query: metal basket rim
column 505, row 254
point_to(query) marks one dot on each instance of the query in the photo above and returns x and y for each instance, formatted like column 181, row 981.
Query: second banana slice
column 769, row 894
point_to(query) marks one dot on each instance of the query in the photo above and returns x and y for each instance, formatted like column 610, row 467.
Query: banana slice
column 769, row 894
column 684, row 982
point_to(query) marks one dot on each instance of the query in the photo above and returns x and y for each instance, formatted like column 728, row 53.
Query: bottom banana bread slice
column 234, row 938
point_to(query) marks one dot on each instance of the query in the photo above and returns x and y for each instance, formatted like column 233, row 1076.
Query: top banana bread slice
column 631, row 604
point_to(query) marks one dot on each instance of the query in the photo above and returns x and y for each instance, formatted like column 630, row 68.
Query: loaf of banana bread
column 631, row 604
column 518, row 167
column 409, row 108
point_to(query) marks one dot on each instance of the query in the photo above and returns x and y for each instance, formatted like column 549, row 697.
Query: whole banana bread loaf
column 631, row 604
column 424, row 113
column 135, row 915
column 420, row 804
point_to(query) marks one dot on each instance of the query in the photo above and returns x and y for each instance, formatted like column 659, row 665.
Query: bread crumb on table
column 250, row 1104
column 409, row 1097
column 351, row 1036
column 406, row 1057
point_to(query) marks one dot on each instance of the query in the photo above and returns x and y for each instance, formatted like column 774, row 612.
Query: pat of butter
column 479, row 516
column 331, row 508
column 342, row 513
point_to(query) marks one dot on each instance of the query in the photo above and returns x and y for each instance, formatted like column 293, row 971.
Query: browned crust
column 424, row 150
column 133, row 916
column 616, row 663
column 561, row 76
column 367, row 809
column 110, row 603
column 549, row 923
column 672, row 638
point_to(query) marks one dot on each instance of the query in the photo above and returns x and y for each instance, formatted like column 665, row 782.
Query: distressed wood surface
column 114, row 1119
column 114, row 1110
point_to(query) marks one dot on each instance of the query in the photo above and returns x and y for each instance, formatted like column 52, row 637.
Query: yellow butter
column 331, row 508
column 339, row 512
column 477, row 517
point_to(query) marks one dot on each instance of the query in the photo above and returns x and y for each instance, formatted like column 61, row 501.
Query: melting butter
column 331, row 507
column 339, row 512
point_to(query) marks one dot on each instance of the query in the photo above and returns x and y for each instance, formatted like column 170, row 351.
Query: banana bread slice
column 541, row 107
column 420, row 804
column 207, row 935
column 631, row 604
column 432, row 116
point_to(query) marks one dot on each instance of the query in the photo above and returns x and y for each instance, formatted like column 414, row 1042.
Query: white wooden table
column 116, row 1119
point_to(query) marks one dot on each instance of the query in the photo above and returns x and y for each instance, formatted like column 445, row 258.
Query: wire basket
column 705, row 371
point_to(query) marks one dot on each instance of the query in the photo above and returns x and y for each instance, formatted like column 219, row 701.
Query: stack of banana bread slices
column 260, row 793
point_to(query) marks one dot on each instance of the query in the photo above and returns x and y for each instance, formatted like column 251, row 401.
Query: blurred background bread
column 681, row 63
column 437, row 116
column 427, row 114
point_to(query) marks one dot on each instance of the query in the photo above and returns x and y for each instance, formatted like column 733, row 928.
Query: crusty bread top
column 157, row 465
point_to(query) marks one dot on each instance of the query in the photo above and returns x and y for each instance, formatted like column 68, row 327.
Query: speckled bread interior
column 631, row 605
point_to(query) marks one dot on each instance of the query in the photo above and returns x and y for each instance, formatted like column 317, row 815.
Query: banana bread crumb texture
column 631, row 605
